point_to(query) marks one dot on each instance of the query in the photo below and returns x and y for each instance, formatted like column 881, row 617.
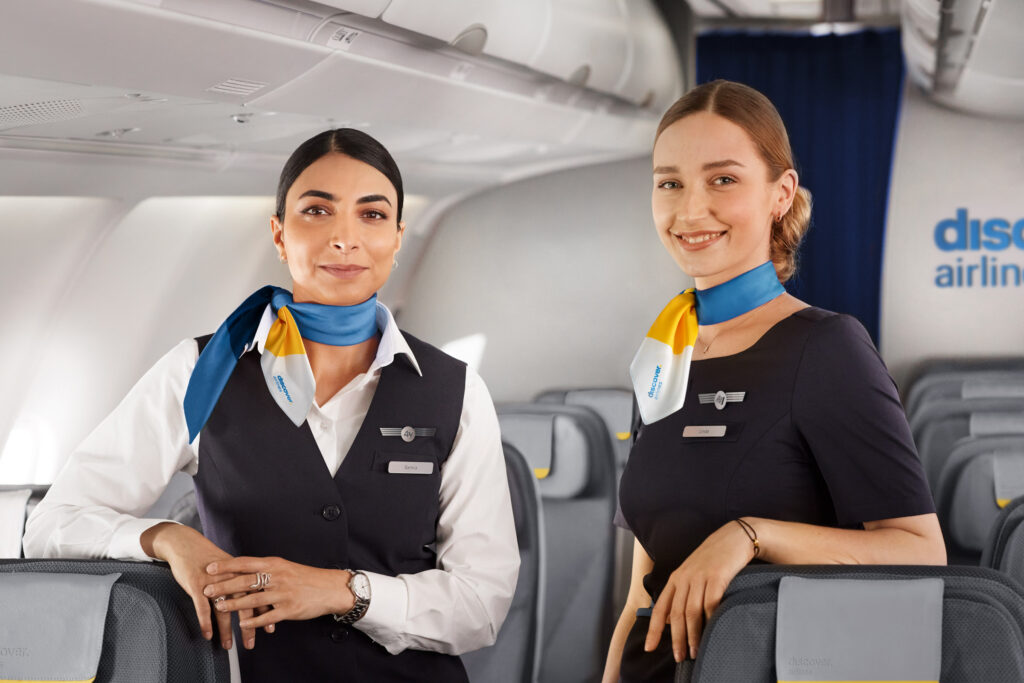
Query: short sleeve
column 847, row 409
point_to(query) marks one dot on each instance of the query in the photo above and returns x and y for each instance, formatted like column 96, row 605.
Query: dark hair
column 348, row 141
column 754, row 113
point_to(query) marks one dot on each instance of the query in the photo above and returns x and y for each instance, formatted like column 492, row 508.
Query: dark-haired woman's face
column 712, row 200
column 338, row 233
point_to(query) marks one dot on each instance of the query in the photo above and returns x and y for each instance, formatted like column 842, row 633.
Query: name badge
column 705, row 431
column 399, row 467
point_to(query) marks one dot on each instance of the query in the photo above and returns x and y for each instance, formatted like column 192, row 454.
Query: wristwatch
column 359, row 584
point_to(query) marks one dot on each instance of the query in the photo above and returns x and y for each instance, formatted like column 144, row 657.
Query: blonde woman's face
column 712, row 200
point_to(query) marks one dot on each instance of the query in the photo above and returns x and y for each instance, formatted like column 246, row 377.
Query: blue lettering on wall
column 965, row 234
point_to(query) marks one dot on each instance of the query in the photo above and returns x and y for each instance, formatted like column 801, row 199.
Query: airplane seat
column 982, row 625
column 964, row 385
column 151, row 634
column 980, row 478
column 515, row 655
column 940, row 423
column 1004, row 548
column 571, row 456
column 615, row 406
column 927, row 373
column 178, row 502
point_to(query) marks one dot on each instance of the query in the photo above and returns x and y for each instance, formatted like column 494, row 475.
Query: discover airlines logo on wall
column 983, row 252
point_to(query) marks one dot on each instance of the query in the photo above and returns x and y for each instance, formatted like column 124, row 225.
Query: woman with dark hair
column 770, row 430
column 350, row 478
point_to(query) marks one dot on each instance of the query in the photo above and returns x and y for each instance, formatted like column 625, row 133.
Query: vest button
column 339, row 634
column 331, row 512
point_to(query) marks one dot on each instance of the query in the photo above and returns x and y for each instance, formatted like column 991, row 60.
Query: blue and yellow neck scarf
column 661, row 368
column 285, row 366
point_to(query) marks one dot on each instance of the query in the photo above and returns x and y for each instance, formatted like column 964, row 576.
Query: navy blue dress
column 820, row 438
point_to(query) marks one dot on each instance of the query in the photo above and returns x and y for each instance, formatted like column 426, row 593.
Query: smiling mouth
column 699, row 239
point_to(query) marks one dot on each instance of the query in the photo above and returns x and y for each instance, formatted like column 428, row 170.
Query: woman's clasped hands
column 695, row 589
column 268, row 590
column 263, row 590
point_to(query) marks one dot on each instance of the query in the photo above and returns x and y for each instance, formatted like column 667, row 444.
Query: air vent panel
column 237, row 86
column 39, row 112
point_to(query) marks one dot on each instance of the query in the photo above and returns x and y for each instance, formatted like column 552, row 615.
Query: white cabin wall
column 947, row 160
column 562, row 274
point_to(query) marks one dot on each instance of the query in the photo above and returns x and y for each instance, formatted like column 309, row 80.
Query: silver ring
column 262, row 581
column 220, row 599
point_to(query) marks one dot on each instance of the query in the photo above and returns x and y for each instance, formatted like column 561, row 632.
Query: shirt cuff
column 384, row 620
column 126, row 541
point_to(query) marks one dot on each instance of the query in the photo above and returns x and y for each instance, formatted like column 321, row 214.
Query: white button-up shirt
column 116, row 474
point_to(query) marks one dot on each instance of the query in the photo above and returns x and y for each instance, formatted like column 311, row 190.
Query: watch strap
column 361, row 604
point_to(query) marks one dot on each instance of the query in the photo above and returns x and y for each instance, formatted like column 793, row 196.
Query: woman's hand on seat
column 188, row 553
column 695, row 589
column 292, row 591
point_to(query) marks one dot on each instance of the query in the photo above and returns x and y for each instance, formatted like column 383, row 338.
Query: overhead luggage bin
column 508, row 30
column 586, row 42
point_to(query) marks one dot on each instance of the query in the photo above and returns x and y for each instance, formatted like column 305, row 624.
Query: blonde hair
column 754, row 113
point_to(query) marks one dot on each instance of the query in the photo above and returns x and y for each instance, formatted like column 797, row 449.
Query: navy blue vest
column 263, row 490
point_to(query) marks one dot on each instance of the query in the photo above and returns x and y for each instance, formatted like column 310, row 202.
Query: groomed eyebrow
column 368, row 199
column 711, row 165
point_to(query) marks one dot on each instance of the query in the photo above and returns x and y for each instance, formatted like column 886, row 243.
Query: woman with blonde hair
column 770, row 430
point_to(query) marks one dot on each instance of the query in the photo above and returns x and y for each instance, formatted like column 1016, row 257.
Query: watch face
column 360, row 586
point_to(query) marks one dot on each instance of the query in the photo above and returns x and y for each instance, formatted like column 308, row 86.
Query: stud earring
column 394, row 264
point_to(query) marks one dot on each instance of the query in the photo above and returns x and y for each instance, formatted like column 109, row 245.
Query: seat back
column 569, row 451
column 151, row 633
column 1004, row 549
column 982, row 623
column 515, row 655
column 940, row 437
column 615, row 406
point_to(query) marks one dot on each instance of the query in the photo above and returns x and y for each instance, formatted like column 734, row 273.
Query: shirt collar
column 392, row 342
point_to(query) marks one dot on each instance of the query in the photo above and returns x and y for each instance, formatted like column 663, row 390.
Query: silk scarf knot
column 285, row 366
column 661, row 367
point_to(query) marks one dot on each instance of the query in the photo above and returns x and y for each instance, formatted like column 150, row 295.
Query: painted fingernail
column 693, row 653
column 249, row 644
column 212, row 568
column 220, row 607
column 647, row 646
column 207, row 635
column 226, row 644
column 270, row 628
column 675, row 655
column 208, row 591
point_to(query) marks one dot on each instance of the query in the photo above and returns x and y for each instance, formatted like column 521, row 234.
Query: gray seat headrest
column 559, row 442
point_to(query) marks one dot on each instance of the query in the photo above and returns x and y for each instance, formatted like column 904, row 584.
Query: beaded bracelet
column 751, row 534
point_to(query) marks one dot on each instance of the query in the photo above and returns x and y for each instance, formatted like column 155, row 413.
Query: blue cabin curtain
column 839, row 97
